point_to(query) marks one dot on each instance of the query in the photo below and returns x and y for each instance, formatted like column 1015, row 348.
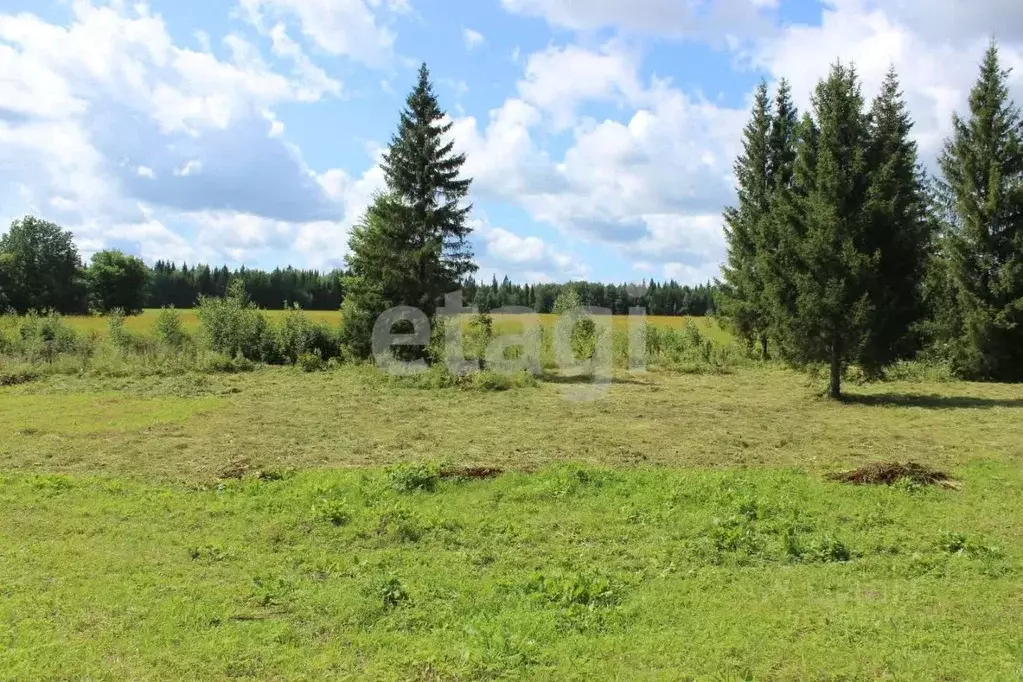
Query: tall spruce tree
column 770, row 264
column 412, row 245
column 982, row 189
column 785, row 231
column 897, row 229
column 741, row 297
column 783, row 137
column 820, row 284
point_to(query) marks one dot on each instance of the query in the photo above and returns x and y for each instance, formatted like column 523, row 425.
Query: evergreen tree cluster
column 181, row 286
column 664, row 298
column 842, row 251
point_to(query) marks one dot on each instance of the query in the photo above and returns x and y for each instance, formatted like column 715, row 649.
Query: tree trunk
column 763, row 346
column 835, row 387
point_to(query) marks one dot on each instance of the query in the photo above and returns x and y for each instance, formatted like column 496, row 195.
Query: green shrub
column 408, row 477
column 168, row 328
column 123, row 340
column 960, row 544
column 297, row 335
column 44, row 337
column 477, row 337
column 490, row 381
column 213, row 362
column 436, row 377
column 827, row 550
column 920, row 370
column 585, row 337
column 566, row 301
column 234, row 326
column 686, row 350
column 439, row 377
column 310, row 362
column 14, row 375
column 401, row 525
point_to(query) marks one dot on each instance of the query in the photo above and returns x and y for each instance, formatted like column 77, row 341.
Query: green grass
column 566, row 574
column 185, row 428
column 680, row 527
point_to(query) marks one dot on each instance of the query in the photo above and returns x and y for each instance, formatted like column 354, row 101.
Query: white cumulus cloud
column 473, row 39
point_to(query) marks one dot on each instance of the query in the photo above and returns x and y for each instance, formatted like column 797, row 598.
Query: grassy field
column 262, row 526
column 143, row 323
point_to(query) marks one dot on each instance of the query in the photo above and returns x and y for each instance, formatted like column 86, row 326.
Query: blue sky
column 600, row 134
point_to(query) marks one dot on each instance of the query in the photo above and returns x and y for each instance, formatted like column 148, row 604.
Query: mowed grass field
column 254, row 526
column 144, row 322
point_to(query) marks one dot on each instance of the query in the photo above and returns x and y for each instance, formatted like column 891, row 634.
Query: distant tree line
column 842, row 250
column 40, row 269
column 666, row 298
column 181, row 286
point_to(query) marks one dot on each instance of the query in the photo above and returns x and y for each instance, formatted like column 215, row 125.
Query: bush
column 584, row 339
column 298, row 336
column 124, row 340
column 828, row 550
column 477, row 337
column 44, row 337
column 213, row 362
column 410, row 477
column 584, row 335
column 920, row 370
column 439, row 377
column 310, row 362
column 566, row 301
column 687, row 350
column 12, row 376
column 234, row 326
column 168, row 329
column 358, row 315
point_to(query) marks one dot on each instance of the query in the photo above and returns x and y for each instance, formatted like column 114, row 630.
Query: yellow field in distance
column 143, row 323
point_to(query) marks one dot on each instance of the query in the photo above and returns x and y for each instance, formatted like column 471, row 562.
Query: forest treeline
column 40, row 269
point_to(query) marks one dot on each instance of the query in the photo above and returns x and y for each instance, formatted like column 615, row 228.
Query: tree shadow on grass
column 930, row 401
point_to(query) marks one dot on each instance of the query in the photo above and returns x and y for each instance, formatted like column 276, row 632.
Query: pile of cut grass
column 889, row 473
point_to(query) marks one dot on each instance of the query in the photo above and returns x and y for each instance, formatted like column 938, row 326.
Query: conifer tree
column 784, row 136
column 897, row 230
column 982, row 190
column 819, row 287
column 786, row 228
column 744, row 223
column 412, row 245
